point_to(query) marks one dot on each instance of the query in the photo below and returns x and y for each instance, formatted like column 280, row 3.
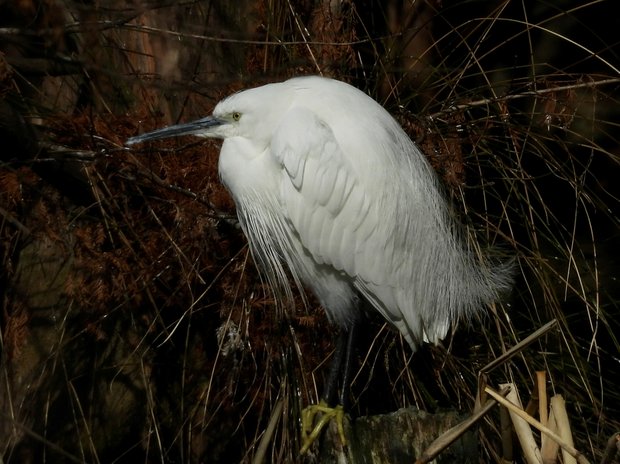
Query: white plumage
column 328, row 185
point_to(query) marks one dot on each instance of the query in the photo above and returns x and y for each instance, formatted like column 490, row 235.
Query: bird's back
column 368, row 217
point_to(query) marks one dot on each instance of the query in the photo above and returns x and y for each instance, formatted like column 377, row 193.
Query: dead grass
column 130, row 303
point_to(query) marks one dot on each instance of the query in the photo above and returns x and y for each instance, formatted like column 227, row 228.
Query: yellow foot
column 310, row 432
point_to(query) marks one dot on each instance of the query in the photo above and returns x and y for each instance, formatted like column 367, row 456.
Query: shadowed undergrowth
column 134, row 324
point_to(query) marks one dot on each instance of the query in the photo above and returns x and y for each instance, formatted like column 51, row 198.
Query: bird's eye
column 236, row 116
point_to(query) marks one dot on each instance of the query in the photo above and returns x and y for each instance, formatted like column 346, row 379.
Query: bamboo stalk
column 543, row 407
column 561, row 418
column 581, row 459
column 531, row 452
column 506, row 434
column 549, row 449
column 541, row 381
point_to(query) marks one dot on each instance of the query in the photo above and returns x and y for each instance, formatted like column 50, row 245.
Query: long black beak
column 198, row 127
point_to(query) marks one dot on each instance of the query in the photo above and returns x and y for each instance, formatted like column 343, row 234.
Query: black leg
column 328, row 410
column 331, row 386
column 341, row 367
column 347, row 365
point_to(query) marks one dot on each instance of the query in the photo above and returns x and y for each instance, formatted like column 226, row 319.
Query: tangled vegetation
column 135, row 327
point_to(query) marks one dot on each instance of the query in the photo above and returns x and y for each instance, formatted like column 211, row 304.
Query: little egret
column 329, row 186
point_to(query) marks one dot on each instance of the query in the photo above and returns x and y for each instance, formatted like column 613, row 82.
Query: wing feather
column 370, row 220
column 338, row 224
column 320, row 193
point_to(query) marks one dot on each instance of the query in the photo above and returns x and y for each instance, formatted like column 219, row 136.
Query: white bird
column 329, row 186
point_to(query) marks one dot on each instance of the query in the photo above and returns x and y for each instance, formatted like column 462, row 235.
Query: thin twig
column 349, row 43
column 259, row 457
column 516, row 96
column 151, row 176
column 51, row 446
column 13, row 221
column 519, row 347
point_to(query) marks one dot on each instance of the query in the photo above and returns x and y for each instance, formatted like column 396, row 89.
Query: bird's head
column 252, row 114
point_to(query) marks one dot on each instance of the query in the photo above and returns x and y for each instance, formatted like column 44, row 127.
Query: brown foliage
column 123, row 274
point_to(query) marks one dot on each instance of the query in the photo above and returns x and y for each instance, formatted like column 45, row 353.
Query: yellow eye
column 236, row 116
